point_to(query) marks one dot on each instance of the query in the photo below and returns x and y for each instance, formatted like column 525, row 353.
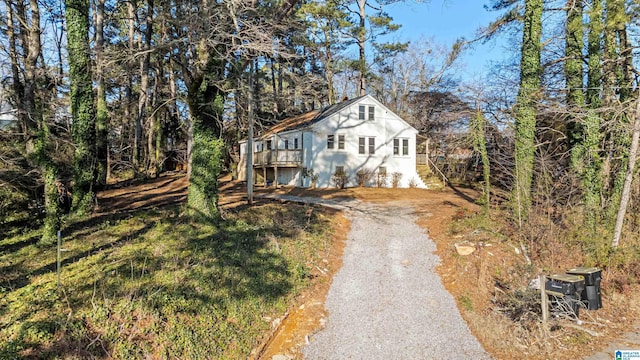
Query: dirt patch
column 129, row 195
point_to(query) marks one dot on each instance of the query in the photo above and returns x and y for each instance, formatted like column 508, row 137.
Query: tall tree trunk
column 626, row 189
column 137, row 126
column 26, row 123
column 530, row 72
column 610, row 52
column 362, row 62
column 29, row 102
column 480, row 146
column 329, row 67
column 587, row 156
column 102, row 114
column 48, row 167
column 143, row 99
column 617, row 144
column 594, row 51
column 82, row 103
column 206, row 105
column 573, row 67
column 626, row 66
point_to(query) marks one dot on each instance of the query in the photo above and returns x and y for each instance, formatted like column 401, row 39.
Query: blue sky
column 445, row 21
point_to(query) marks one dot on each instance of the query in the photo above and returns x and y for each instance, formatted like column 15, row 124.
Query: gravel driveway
column 387, row 302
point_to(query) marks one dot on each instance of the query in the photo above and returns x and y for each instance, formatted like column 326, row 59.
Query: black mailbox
column 565, row 284
column 591, row 294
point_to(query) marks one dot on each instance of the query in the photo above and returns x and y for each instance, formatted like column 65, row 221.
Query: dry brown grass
column 491, row 286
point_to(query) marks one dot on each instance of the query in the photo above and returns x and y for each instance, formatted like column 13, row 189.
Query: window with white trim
column 366, row 144
column 295, row 143
column 366, row 112
column 400, row 146
column 331, row 139
column 286, row 144
column 340, row 142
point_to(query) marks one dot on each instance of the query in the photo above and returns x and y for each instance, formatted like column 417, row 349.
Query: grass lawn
column 153, row 284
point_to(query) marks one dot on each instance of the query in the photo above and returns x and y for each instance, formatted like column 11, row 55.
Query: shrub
column 309, row 173
column 340, row 178
column 395, row 179
column 381, row 180
column 363, row 177
column 413, row 183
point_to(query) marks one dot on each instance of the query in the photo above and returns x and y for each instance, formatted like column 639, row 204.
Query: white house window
column 286, row 144
column 340, row 142
column 362, row 112
column 295, row 143
column 397, row 148
column 362, row 145
column 339, row 169
column 331, row 139
column 269, row 142
column 382, row 171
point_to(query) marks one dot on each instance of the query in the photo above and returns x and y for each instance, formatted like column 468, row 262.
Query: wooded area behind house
column 108, row 90
column 103, row 90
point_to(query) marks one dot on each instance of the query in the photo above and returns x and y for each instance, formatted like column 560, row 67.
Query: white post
column 275, row 163
column 426, row 155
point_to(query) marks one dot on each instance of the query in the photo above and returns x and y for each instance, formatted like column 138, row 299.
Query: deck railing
column 278, row 157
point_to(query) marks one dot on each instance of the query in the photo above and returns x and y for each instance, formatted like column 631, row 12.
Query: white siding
column 384, row 128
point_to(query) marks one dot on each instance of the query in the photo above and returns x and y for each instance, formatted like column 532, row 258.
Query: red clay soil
column 435, row 210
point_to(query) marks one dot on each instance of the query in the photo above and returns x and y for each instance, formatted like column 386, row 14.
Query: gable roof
column 309, row 118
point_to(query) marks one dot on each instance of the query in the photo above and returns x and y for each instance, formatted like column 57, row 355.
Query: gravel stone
column 387, row 302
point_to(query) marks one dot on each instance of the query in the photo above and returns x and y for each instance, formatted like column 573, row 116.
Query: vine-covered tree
column 81, row 97
column 525, row 109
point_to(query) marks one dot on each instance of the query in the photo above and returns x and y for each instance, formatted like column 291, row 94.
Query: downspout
column 303, row 165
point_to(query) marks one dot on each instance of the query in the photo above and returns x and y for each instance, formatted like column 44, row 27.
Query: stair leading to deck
column 430, row 179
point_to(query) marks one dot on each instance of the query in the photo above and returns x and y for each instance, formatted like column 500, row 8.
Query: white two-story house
column 354, row 135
